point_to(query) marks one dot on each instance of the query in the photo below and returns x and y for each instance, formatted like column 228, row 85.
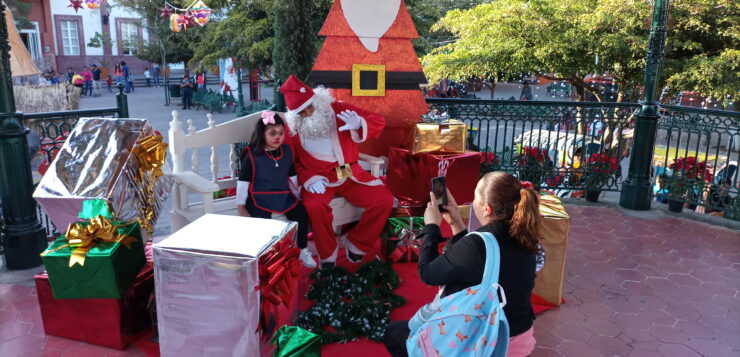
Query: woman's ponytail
column 525, row 223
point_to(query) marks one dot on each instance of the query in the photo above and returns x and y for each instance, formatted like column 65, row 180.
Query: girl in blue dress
column 267, row 186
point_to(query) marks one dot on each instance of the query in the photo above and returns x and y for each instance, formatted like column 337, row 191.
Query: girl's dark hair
column 258, row 136
column 519, row 207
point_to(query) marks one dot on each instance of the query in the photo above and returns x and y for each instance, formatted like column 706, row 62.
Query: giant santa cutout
column 324, row 135
column 368, row 60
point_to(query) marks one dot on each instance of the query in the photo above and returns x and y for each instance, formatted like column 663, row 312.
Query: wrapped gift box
column 119, row 160
column 107, row 269
column 114, row 323
column 410, row 175
column 448, row 137
column 224, row 284
column 555, row 224
column 399, row 240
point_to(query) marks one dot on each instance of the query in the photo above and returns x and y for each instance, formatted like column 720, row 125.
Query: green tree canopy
column 178, row 46
column 567, row 39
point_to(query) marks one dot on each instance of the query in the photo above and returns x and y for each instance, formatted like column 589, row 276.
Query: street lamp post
column 240, row 110
column 22, row 236
column 637, row 187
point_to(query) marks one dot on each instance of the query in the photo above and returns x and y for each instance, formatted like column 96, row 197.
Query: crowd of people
column 90, row 79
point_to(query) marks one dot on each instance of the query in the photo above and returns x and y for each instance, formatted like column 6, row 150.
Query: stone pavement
column 654, row 285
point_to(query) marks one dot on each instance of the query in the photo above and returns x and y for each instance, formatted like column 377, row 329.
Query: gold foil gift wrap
column 117, row 160
column 450, row 137
column 555, row 224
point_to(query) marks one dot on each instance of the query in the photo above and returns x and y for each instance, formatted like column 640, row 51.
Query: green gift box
column 109, row 263
column 293, row 341
column 399, row 242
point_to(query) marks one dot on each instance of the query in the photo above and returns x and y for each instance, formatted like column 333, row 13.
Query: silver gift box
column 205, row 277
column 96, row 161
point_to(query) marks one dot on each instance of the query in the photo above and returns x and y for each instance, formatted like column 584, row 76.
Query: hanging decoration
column 201, row 12
column 75, row 4
column 175, row 23
column 180, row 19
column 92, row 4
column 166, row 12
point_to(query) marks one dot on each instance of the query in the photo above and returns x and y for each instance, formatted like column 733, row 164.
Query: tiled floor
column 634, row 287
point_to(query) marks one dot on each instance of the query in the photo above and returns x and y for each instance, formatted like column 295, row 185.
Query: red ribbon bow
column 527, row 185
column 278, row 271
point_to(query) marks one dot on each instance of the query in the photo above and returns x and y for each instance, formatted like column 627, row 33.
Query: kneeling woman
column 509, row 209
column 267, row 185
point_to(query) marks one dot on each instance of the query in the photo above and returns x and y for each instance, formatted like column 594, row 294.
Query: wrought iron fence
column 562, row 146
column 53, row 127
column 572, row 146
column 696, row 160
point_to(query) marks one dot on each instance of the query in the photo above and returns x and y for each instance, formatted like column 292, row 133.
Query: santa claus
column 324, row 135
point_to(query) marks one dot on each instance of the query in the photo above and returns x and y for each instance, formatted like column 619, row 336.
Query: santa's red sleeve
column 372, row 123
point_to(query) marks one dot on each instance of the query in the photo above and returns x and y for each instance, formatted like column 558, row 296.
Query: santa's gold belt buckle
column 343, row 171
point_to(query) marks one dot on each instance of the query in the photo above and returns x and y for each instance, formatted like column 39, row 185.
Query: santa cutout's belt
column 368, row 80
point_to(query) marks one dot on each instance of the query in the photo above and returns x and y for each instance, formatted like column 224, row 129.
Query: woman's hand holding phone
column 452, row 216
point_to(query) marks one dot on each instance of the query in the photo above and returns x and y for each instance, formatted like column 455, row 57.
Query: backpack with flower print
column 470, row 322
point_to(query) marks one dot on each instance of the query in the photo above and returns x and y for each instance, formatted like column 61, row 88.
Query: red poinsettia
column 602, row 163
column 691, row 168
column 535, row 153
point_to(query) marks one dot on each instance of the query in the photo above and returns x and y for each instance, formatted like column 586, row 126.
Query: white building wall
column 92, row 23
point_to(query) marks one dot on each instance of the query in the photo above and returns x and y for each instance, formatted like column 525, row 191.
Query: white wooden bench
column 190, row 181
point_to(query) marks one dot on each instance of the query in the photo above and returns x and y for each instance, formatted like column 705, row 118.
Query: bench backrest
column 213, row 136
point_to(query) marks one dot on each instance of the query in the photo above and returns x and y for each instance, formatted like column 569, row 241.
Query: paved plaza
column 654, row 285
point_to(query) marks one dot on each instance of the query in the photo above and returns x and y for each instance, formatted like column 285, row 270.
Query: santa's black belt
column 368, row 79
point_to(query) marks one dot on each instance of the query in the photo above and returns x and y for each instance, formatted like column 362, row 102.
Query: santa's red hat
column 297, row 94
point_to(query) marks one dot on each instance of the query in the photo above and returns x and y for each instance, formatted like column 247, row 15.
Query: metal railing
column 572, row 146
column 555, row 145
column 53, row 127
column 696, row 159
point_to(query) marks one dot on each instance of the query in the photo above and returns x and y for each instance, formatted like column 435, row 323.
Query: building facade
column 61, row 38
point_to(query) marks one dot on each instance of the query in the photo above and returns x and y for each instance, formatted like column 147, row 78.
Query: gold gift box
column 448, row 137
column 554, row 232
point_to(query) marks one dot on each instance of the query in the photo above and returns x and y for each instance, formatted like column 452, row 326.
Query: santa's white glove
column 318, row 187
column 352, row 121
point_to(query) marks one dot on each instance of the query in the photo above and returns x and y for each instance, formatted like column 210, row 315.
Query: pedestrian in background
column 156, row 70
column 87, row 77
column 526, row 92
column 118, row 73
column 146, row 76
column 186, row 87
column 201, row 81
column 97, row 86
column 70, row 74
column 109, row 83
column 126, row 76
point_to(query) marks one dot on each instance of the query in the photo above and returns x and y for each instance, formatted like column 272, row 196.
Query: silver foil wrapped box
column 101, row 158
column 207, row 283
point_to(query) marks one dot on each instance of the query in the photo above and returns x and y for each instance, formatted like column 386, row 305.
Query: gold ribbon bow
column 83, row 236
column 551, row 206
column 151, row 153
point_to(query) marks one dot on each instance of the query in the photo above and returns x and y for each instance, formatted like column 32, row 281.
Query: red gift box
column 114, row 323
column 410, row 175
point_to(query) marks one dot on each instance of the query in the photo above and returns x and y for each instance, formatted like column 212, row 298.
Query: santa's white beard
column 320, row 123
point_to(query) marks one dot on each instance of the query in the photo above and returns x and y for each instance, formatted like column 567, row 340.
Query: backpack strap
column 493, row 262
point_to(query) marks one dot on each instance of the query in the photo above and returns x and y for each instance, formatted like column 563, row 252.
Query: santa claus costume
column 325, row 135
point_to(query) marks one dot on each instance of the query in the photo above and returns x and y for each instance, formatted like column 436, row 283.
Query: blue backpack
column 470, row 322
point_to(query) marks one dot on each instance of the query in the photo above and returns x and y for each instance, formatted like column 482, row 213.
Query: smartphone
column 440, row 191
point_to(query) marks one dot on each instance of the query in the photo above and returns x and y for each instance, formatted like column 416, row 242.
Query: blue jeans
column 87, row 90
column 156, row 80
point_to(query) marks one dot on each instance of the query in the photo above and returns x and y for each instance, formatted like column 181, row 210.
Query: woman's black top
column 462, row 264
